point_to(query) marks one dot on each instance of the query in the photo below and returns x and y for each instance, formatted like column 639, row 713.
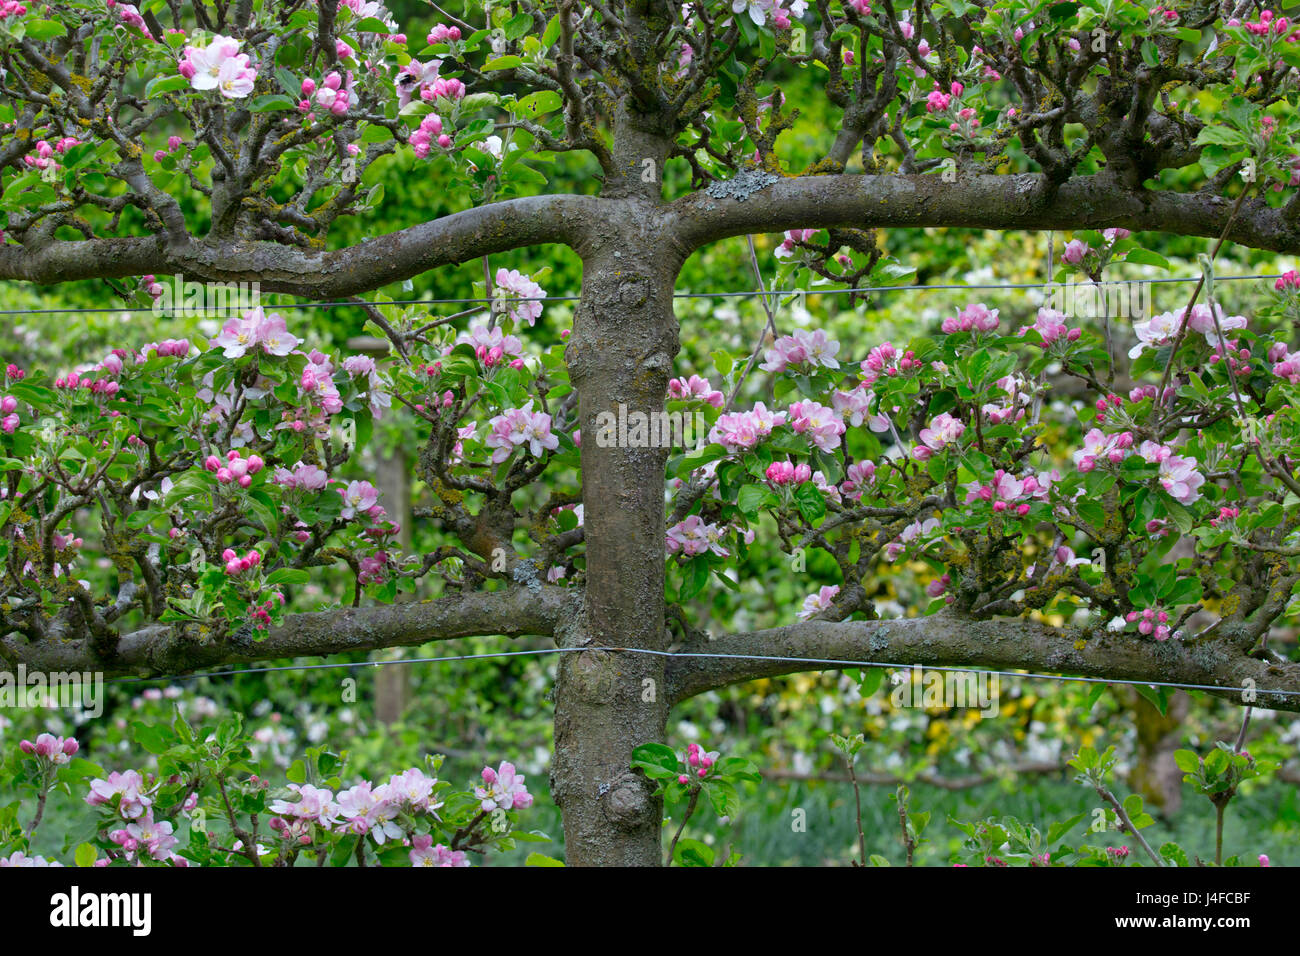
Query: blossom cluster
column 519, row 428
column 219, row 66
column 700, row 761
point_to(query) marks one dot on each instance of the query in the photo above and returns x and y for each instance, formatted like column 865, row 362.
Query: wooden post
column 393, row 479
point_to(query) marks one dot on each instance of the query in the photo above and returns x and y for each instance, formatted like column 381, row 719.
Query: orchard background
column 474, row 228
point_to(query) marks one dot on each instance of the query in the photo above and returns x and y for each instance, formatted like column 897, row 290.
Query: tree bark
column 606, row 704
column 172, row 649
column 949, row 640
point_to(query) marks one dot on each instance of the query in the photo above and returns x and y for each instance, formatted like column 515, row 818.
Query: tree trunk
column 1154, row 774
column 607, row 703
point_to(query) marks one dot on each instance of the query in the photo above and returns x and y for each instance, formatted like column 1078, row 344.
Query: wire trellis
column 826, row 662
column 753, row 293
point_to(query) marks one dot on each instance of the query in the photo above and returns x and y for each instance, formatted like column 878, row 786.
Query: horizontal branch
column 948, row 640
column 163, row 649
column 333, row 274
column 1020, row 201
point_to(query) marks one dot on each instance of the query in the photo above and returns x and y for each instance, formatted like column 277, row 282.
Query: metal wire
column 694, row 655
column 676, row 295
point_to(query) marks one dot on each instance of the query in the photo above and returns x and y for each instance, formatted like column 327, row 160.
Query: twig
column 1187, row 312
column 690, row 808
column 857, row 799
column 771, row 325
column 1125, row 823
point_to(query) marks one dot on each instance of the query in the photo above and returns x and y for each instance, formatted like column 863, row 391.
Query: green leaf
column 371, row 25
column 297, row 772
column 85, row 854
column 541, row 859
column 1062, row 827
column 1220, row 136
column 535, row 104
column 1216, row 762
column 656, row 760
column 1158, row 700
column 165, row 84
column 274, row 101
column 551, row 33
column 288, row 576
column 810, row 502
column 1184, row 591
column 1187, row 761
column 1147, row 258
column 141, row 519
column 1182, row 518
column 751, row 498
column 1174, row 854
column 690, row 852
column 737, row 768
column 722, row 794
column 503, row 63
column 154, row 739
column 288, row 82
column 518, row 25
column 41, row 30
column 871, row 680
